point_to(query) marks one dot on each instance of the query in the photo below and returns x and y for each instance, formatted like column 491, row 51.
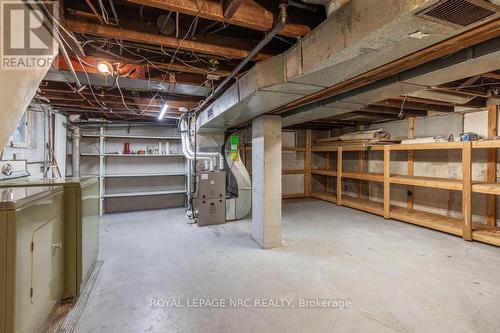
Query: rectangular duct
column 461, row 13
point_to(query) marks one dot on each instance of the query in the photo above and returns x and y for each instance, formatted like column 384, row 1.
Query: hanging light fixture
column 105, row 67
column 163, row 111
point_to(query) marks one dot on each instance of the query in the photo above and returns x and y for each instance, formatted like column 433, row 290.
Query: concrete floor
column 398, row 277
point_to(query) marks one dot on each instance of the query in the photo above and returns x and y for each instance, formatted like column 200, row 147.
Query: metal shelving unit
column 107, row 158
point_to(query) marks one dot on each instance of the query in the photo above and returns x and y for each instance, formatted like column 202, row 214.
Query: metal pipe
column 278, row 27
column 75, row 161
column 301, row 5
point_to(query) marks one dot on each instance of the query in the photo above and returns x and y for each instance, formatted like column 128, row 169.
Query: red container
column 126, row 148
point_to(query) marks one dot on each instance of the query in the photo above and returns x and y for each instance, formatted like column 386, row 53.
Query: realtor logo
column 27, row 32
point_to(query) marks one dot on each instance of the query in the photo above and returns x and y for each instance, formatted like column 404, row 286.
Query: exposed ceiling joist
column 250, row 14
column 224, row 47
column 230, row 7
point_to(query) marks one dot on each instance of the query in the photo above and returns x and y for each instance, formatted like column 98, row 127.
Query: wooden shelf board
column 427, row 146
column 369, row 176
column 293, row 195
column 363, row 148
column 294, row 149
column 325, row 196
column 432, row 182
column 293, row 172
column 395, row 147
column 488, row 188
column 319, row 149
column 429, row 220
column 486, row 144
column 324, row 172
column 369, row 206
column 140, row 194
column 486, row 234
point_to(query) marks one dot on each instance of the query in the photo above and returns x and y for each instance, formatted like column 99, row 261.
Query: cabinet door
column 42, row 256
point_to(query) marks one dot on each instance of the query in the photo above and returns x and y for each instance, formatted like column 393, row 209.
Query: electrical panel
column 211, row 198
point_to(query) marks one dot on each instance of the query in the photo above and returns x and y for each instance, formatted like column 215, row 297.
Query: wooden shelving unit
column 462, row 227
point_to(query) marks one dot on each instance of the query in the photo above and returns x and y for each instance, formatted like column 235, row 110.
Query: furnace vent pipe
column 278, row 27
column 188, row 151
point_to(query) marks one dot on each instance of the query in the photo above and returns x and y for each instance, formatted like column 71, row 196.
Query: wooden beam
column 230, row 7
column 416, row 105
column 250, row 14
column 230, row 48
column 491, row 76
column 467, row 190
column 410, row 166
column 491, row 166
column 395, row 110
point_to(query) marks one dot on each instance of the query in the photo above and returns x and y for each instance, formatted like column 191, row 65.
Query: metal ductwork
column 239, row 204
column 280, row 24
column 417, row 82
column 359, row 36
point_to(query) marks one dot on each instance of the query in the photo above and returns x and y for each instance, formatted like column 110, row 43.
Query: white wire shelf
column 165, row 174
column 139, row 194
column 139, row 137
column 143, row 155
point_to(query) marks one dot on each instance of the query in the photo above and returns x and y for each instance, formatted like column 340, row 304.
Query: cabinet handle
column 57, row 245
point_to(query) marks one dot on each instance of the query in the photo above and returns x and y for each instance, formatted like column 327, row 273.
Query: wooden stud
column 339, row 176
column 327, row 184
column 387, row 184
column 308, row 163
column 491, row 165
column 467, row 190
column 410, row 170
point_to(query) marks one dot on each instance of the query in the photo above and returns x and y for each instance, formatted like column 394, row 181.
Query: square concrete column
column 266, row 181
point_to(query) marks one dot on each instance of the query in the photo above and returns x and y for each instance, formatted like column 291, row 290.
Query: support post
column 75, row 158
column 308, row 164
column 467, row 190
column 328, row 179
column 101, row 170
column 339, row 176
column 410, row 168
column 387, row 184
column 266, row 179
column 491, row 164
